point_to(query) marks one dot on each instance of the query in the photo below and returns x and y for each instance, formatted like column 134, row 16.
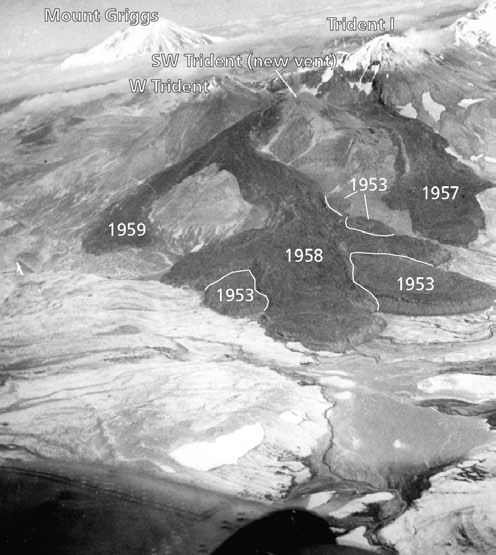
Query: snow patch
column 318, row 499
column 365, row 87
column 452, row 152
column 398, row 444
column 343, row 395
column 328, row 73
column 296, row 346
column 472, row 388
column 226, row 449
column 408, row 111
column 196, row 248
column 433, row 108
column 336, row 381
column 166, row 468
column 355, row 537
column 311, row 90
column 292, row 416
column 466, row 102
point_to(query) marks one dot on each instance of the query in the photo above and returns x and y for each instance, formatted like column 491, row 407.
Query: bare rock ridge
column 317, row 302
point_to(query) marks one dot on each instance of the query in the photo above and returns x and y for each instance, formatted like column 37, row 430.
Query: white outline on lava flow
column 379, row 254
column 331, row 208
column 254, row 284
column 366, row 232
column 355, row 228
column 351, row 194
column 371, row 253
column 366, row 206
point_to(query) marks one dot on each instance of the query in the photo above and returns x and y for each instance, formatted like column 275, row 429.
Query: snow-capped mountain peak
column 386, row 50
column 477, row 28
column 163, row 36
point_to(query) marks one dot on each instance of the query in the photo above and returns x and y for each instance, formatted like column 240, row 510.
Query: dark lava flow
column 317, row 303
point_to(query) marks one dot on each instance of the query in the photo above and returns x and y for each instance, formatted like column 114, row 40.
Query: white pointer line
column 366, row 232
column 366, row 206
column 351, row 194
column 331, row 208
column 378, row 254
column 254, row 284
column 286, row 83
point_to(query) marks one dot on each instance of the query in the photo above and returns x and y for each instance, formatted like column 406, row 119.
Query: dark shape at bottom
column 286, row 532
column 283, row 532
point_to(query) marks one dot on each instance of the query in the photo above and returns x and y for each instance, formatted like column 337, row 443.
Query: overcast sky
column 26, row 35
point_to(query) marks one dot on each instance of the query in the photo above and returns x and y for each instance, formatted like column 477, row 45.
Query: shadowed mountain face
column 280, row 209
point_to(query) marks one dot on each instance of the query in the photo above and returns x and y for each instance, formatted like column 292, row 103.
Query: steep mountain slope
column 442, row 78
column 162, row 36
